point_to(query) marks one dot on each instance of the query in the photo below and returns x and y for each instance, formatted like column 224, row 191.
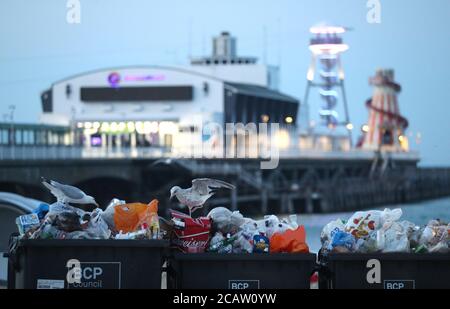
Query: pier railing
column 34, row 152
column 343, row 181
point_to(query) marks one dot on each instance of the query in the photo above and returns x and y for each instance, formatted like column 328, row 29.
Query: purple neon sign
column 144, row 77
column 96, row 141
column 114, row 78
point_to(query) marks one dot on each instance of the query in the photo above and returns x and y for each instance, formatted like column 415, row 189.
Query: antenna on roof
column 190, row 38
column 203, row 42
column 280, row 41
column 265, row 44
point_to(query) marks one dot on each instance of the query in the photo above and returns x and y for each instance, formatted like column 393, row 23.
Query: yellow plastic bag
column 135, row 216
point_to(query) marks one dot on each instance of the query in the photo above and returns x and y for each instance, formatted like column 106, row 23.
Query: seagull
column 202, row 189
column 68, row 194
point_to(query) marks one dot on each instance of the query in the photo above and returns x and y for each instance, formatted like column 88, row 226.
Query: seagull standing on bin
column 202, row 189
column 68, row 194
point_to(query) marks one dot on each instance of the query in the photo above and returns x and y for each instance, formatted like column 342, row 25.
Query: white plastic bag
column 97, row 227
column 441, row 247
column 363, row 222
column 368, row 244
column 394, row 236
column 244, row 240
column 243, row 243
column 435, row 237
column 270, row 225
column 225, row 220
column 329, row 230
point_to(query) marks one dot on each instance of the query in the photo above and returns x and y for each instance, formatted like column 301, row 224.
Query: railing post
column 264, row 200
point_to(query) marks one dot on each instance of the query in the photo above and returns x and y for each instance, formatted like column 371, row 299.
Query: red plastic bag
column 191, row 235
column 291, row 241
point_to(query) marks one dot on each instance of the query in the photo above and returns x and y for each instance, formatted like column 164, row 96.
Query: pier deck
column 303, row 183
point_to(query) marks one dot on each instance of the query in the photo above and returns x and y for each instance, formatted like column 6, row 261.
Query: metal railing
column 34, row 152
column 70, row 152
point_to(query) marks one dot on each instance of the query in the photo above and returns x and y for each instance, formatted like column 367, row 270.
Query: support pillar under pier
column 234, row 194
column 264, row 201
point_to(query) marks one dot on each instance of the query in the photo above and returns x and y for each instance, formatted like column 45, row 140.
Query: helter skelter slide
column 386, row 126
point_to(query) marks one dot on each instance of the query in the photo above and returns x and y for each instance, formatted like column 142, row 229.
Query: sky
column 38, row 46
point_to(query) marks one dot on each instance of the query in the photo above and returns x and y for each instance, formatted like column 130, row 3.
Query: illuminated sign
column 114, row 78
column 144, row 77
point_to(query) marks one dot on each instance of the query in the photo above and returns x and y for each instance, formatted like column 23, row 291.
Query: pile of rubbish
column 62, row 220
column 118, row 221
column 382, row 231
column 224, row 231
column 221, row 231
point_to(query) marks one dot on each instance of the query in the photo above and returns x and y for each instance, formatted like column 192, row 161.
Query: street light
column 5, row 120
column 12, row 108
column 73, row 113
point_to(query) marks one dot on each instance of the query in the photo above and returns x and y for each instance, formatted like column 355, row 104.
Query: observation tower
column 326, row 74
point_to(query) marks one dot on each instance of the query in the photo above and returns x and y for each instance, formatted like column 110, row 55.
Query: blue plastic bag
column 41, row 210
column 342, row 239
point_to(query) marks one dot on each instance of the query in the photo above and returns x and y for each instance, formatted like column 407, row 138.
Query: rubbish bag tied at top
column 291, row 241
column 130, row 217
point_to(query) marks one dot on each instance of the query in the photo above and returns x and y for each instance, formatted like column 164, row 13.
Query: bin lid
column 310, row 257
column 121, row 243
column 394, row 256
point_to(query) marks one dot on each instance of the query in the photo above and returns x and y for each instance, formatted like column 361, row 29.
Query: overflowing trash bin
column 225, row 250
column 375, row 249
column 387, row 271
column 240, row 271
column 86, row 264
column 125, row 245
column 63, row 246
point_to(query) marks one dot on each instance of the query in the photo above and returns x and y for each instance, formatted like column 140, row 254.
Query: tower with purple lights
column 326, row 74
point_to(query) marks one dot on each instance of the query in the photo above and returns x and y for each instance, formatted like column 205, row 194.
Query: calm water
column 419, row 213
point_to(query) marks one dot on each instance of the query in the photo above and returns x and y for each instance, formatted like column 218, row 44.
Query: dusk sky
column 38, row 47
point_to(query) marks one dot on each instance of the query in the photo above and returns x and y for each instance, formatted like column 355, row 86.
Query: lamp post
column 12, row 108
column 5, row 120
column 73, row 129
